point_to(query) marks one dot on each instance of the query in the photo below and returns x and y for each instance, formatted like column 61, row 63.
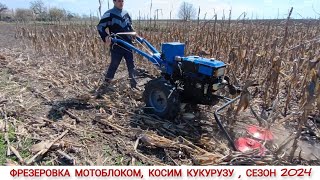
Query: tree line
column 38, row 11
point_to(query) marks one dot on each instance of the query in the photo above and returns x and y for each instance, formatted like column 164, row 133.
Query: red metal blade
column 248, row 144
column 260, row 133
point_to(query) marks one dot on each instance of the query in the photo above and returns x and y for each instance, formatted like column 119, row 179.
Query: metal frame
column 216, row 116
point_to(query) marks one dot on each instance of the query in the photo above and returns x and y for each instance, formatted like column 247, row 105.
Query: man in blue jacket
column 117, row 20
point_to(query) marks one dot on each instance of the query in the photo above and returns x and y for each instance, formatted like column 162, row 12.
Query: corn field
column 62, row 64
column 282, row 57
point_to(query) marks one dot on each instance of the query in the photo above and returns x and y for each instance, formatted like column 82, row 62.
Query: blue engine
column 174, row 52
column 203, row 68
column 200, row 77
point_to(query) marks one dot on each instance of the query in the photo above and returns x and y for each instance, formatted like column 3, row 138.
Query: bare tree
column 24, row 15
column 3, row 8
column 56, row 14
column 39, row 9
column 37, row 6
column 187, row 11
column 70, row 15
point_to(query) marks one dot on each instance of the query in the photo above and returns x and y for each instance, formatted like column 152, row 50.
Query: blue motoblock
column 184, row 79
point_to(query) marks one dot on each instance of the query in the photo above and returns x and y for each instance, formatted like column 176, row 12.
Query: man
column 117, row 20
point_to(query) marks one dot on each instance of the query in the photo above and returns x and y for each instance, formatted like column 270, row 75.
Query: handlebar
column 155, row 57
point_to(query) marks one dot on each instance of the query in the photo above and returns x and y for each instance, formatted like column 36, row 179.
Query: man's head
column 118, row 3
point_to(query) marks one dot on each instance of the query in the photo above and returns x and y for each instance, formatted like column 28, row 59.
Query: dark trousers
column 116, row 57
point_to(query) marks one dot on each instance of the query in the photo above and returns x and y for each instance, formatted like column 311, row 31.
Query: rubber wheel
column 161, row 99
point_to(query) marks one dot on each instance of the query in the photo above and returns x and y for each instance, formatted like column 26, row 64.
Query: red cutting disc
column 260, row 133
column 248, row 144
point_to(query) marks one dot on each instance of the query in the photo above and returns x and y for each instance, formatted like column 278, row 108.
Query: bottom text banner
column 157, row 173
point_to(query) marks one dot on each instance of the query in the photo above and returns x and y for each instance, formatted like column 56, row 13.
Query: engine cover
column 202, row 66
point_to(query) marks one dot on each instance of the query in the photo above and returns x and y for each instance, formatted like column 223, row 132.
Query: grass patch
column 3, row 144
column 3, row 150
column 23, row 147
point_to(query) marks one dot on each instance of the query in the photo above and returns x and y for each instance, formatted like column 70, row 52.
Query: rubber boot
column 103, row 88
column 133, row 82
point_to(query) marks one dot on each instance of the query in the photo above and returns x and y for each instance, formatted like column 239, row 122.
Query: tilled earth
column 50, row 117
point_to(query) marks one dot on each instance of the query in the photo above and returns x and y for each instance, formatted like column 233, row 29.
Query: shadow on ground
column 60, row 108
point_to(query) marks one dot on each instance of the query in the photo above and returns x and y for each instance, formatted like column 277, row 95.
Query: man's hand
column 108, row 41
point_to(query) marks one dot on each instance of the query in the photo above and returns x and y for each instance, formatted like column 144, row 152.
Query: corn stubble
column 282, row 57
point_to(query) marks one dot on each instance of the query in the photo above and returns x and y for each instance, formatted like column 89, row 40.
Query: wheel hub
column 158, row 100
